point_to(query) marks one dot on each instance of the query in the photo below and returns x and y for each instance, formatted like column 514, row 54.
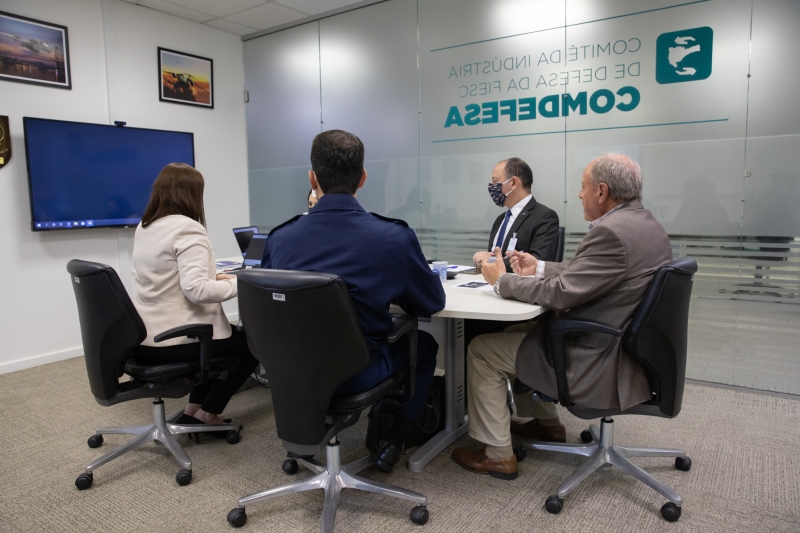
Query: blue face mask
column 496, row 192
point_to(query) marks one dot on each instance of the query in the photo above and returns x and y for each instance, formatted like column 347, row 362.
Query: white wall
column 115, row 77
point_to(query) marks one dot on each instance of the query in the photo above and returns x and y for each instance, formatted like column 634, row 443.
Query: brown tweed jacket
column 605, row 281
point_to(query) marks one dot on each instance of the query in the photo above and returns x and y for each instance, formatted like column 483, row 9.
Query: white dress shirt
column 515, row 210
column 176, row 279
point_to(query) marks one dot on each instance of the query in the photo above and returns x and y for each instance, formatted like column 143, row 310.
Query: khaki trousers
column 491, row 360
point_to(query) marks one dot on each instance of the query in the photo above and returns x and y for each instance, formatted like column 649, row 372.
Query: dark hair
column 337, row 159
column 178, row 190
column 519, row 168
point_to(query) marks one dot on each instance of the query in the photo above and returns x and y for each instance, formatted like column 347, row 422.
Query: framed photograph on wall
column 185, row 78
column 33, row 51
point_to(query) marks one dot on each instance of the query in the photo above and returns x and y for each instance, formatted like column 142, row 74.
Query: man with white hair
column 605, row 281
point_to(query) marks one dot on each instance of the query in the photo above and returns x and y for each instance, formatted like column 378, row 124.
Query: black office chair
column 562, row 238
column 111, row 330
column 656, row 338
column 303, row 328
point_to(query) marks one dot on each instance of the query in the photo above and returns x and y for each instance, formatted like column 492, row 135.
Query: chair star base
column 162, row 430
column 600, row 450
column 332, row 478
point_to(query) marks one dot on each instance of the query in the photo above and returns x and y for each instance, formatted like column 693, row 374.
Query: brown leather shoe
column 534, row 430
column 477, row 462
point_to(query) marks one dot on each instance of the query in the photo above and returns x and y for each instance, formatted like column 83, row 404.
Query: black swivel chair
column 111, row 330
column 303, row 328
column 562, row 238
column 656, row 338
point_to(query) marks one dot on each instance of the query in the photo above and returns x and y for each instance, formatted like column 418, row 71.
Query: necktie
column 501, row 233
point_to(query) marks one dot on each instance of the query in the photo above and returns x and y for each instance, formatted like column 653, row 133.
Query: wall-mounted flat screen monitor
column 93, row 175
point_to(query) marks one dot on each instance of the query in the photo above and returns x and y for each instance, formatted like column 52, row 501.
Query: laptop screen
column 243, row 236
column 255, row 251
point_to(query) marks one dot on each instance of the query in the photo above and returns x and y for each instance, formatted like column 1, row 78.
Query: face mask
column 496, row 192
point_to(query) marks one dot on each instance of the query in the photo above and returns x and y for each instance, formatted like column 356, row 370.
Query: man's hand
column 479, row 258
column 222, row 276
column 492, row 271
column 523, row 264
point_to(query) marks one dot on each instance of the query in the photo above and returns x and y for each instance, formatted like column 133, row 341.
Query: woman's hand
column 222, row 276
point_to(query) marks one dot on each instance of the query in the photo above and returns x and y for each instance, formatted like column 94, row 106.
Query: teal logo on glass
column 684, row 55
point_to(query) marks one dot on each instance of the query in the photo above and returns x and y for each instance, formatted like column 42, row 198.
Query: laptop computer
column 243, row 236
column 254, row 254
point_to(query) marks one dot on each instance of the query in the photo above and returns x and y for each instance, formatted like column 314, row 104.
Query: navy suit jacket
column 379, row 258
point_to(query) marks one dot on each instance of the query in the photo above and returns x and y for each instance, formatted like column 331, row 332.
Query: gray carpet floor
column 745, row 475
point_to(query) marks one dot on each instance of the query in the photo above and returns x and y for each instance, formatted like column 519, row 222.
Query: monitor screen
column 255, row 251
column 92, row 175
column 243, row 236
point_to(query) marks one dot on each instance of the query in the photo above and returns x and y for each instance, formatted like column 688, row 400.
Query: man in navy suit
column 381, row 261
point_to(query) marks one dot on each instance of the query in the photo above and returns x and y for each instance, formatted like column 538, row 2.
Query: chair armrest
column 563, row 326
column 189, row 330
column 405, row 325
column 203, row 333
column 560, row 328
column 400, row 326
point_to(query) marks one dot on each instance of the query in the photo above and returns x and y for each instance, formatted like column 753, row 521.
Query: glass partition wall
column 700, row 93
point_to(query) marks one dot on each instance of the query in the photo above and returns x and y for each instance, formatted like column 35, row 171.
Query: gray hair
column 622, row 175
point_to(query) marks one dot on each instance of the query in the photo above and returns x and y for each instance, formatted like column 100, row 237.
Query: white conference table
column 461, row 304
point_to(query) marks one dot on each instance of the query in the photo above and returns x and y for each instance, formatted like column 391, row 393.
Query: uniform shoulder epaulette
column 387, row 219
column 276, row 228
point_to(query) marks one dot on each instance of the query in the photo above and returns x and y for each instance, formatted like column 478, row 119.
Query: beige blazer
column 175, row 279
column 605, row 281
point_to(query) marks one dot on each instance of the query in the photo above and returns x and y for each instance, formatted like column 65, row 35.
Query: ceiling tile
column 178, row 11
column 230, row 27
column 315, row 7
column 218, row 8
column 266, row 16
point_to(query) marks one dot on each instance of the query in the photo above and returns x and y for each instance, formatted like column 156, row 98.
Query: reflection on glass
column 700, row 209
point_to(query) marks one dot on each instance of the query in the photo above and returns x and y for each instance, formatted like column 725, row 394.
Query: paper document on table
column 480, row 285
column 459, row 268
column 456, row 268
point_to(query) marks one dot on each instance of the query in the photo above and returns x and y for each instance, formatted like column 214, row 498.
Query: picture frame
column 34, row 51
column 185, row 78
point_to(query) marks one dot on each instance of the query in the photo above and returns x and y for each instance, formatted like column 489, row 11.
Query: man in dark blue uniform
column 380, row 260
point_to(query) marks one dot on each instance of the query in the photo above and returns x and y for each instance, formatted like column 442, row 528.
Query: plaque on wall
column 5, row 142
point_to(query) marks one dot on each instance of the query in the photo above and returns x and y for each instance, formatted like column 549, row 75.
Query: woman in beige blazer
column 177, row 284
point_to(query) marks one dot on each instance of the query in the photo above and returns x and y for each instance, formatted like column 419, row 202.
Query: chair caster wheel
column 290, row 466
column 184, row 477
column 84, row 481
column 586, row 436
column 683, row 463
column 420, row 515
column 233, row 437
column 554, row 504
column 237, row 517
column 670, row 512
column 94, row 441
column 521, row 454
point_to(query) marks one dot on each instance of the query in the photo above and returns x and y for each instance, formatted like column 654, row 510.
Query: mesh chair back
column 657, row 335
column 562, row 237
column 303, row 328
column 111, row 328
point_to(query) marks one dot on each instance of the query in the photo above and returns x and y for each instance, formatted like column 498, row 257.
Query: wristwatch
column 497, row 284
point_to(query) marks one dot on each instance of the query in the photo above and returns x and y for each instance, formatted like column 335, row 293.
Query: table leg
column 455, row 424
